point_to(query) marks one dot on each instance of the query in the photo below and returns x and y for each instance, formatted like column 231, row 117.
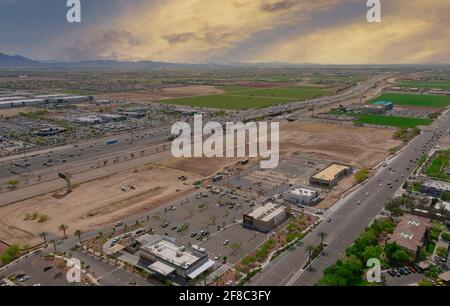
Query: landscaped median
column 277, row 243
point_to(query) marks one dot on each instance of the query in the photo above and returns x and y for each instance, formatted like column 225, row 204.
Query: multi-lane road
column 351, row 215
column 36, row 167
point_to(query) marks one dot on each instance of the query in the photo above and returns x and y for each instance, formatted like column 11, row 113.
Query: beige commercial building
column 331, row 175
column 267, row 217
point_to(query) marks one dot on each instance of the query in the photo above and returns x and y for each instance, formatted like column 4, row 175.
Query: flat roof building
column 435, row 188
column 387, row 105
column 267, row 217
column 331, row 175
column 167, row 257
column 301, row 195
column 41, row 100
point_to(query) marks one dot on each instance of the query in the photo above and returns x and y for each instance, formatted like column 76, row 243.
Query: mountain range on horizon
column 18, row 61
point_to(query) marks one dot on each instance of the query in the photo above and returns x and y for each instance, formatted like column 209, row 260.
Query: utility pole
column 66, row 176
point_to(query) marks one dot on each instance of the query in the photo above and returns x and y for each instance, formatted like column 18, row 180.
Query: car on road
column 24, row 278
column 193, row 235
column 329, row 220
column 165, row 225
column 140, row 232
column 359, row 202
column 174, row 228
column 226, row 242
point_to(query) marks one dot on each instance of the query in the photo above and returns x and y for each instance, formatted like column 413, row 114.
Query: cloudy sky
column 296, row 31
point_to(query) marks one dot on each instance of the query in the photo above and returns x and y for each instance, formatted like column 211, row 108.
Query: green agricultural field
column 415, row 100
column 226, row 102
column 288, row 93
column 439, row 165
column 238, row 98
column 400, row 122
column 426, row 84
column 340, row 78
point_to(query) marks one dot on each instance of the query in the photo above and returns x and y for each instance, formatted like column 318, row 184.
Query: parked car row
column 407, row 270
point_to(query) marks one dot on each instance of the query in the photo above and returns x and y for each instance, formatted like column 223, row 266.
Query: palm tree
column 310, row 249
column 63, row 228
column 54, row 245
column 322, row 236
column 43, row 235
column 78, row 233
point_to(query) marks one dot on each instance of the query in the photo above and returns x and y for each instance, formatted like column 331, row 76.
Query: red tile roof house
column 411, row 232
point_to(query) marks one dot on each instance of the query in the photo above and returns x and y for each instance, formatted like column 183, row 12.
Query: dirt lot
column 93, row 204
column 194, row 90
column 358, row 146
column 201, row 166
column 3, row 247
column 332, row 197
column 162, row 94
column 445, row 142
column 11, row 112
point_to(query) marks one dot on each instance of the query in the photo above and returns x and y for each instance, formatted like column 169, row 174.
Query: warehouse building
column 20, row 101
column 169, row 259
column 301, row 195
column 372, row 109
column 266, row 218
column 331, row 175
column 387, row 105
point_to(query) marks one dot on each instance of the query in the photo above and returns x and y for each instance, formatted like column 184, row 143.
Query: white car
column 226, row 242
column 24, row 278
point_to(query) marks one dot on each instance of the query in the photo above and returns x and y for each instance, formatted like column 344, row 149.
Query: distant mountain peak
column 16, row 61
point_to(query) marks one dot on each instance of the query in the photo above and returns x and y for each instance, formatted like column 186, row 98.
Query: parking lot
column 403, row 276
column 411, row 113
column 198, row 216
column 234, row 242
column 37, row 271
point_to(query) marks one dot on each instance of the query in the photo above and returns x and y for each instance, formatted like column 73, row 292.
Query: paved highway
column 349, row 217
column 69, row 157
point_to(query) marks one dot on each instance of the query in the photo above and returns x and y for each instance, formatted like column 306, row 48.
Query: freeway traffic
column 351, row 215
column 71, row 155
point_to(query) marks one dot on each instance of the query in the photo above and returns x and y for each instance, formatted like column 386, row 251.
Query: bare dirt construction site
column 357, row 146
column 12, row 112
column 335, row 194
column 162, row 94
column 93, row 204
column 444, row 143
column 201, row 166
